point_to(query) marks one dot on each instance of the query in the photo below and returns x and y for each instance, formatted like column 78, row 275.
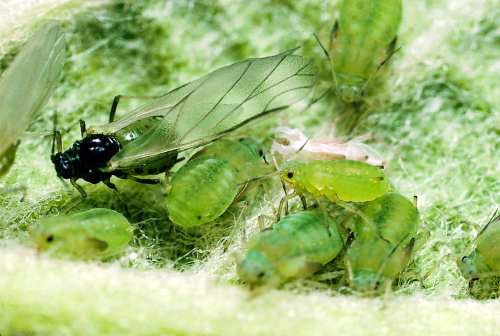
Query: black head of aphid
column 86, row 158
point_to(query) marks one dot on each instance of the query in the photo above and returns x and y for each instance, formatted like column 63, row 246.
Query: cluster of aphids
column 378, row 240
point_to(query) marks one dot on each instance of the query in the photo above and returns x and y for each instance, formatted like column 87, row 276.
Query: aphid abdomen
column 317, row 239
column 347, row 180
column 366, row 28
column 201, row 191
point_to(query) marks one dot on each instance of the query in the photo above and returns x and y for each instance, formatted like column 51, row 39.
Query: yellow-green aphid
column 340, row 181
column 363, row 37
column 27, row 84
column 372, row 261
column 484, row 261
column 203, row 189
column 297, row 247
column 84, row 234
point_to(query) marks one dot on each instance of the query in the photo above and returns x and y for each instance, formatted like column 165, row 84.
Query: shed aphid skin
column 298, row 246
column 210, row 182
column 340, row 181
column 86, row 234
column 147, row 140
column 362, row 40
column 373, row 264
column 27, row 84
column 287, row 143
column 484, row 262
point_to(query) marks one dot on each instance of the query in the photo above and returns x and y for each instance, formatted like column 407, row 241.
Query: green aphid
column 26, row 86
column 298, row 246
column 340, row 181
column 363, row 38
column 86, row 234
column 203, row 189
column 484, row 262
column 372, row 263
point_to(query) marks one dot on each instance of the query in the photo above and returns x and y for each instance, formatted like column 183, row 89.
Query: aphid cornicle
column 27, row 84
column 298, row 246
column 288, row 142
column 84, row 234
column 203, row 188
column 362, row 39
column 372, row 261
column 148, row 139
column 484, row 262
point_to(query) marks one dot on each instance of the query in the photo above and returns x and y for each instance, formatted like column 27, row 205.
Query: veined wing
column 218, row 103
column 30, row 80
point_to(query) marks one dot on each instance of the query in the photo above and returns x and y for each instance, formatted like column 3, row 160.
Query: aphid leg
column 328, row 276
column 8, row 158
column 387, row 292
column 266, row 190
column 83, row 128
column 236, row 225
column 112, row 186
column 330, row 62
column 78, row 187
column 351, row 208
column 362, row 91
column 283, row 201
column 9, row 190
column 133, row 178
column 436, row 265
column 116, row 100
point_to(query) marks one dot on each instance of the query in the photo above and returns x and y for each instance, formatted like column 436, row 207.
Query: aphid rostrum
column 484, row 262
column 203, row 188
column 85, row 234
column 148, row 139
column 362, row 40
column 27, row 84
column 298, row 246
column 372, row 263
column 290, row 143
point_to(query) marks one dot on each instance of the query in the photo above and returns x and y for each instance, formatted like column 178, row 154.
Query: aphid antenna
column 283, row 184
column 334, row 77
column 386, row 260
column 362, row 91
column 241, row 218
column 263, row 177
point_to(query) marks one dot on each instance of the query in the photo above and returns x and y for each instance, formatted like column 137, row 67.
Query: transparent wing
column 208, row 108
column 30, row 80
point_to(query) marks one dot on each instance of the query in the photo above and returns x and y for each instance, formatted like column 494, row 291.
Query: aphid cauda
column 147, row 140
column 84, row 234
column 297, row 246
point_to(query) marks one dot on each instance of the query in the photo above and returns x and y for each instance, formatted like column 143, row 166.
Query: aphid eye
column 464, row 258
column 289, row 175
column 260, row 275
column 50, row 238
column 261, row 153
